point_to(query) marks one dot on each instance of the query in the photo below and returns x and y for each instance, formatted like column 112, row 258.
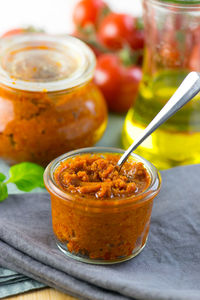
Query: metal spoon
column 186, row 91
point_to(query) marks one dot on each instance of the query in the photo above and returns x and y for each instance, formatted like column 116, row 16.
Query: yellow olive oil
column 177, row 141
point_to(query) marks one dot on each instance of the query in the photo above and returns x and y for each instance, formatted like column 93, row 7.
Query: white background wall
column 52, row 15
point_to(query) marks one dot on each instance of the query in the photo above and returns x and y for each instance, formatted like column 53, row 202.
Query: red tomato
column 119, row 84
column 88, row 12
column 96, row 48
column 116, row 30
column 13, row 32
column 137, row 40
column 108, row 75
column 129, row 89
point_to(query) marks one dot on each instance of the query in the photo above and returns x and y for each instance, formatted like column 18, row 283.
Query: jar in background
column 101, row 231
column 172, row 50
column 48, row 102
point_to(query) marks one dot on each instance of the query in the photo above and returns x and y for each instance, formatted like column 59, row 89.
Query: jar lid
column 42, row 62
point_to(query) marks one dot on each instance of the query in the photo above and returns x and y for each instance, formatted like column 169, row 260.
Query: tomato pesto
column 99, row 177
column 100, row 213
column 48, row 102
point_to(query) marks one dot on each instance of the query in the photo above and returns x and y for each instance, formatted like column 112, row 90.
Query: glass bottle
column 172, row 30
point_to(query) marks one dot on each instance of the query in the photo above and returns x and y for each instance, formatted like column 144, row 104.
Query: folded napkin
column 12, row 283
column 167, row 268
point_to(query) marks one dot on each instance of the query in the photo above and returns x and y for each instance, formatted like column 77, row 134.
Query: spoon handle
column 185, row 92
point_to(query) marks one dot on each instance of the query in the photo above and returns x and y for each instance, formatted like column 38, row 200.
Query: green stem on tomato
column 128, row 57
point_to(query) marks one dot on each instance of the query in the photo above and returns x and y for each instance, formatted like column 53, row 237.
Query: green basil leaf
column 3, row 191
column 2, row 177
column 27, row 176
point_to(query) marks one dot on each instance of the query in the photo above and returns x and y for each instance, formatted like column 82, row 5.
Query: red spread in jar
column 105, row 213
column 49, row 104
column 99, row 176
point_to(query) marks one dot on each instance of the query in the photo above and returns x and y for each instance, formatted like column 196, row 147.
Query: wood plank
column 44, row 294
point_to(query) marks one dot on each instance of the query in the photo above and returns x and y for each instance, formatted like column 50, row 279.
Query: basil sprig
column 26, row 176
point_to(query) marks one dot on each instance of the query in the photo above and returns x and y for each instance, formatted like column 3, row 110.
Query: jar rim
column 151, row 190
column 86, row 61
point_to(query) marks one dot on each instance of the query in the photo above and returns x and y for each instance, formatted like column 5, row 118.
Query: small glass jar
column 48, row 102
column 172, row 31
column 101, row 231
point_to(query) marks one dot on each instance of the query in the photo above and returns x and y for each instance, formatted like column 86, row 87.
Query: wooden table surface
column 44, row 294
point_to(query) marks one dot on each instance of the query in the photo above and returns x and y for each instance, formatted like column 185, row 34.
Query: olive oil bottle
column 172, row 40
column 176, row 142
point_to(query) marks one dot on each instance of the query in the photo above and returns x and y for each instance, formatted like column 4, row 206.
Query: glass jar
column 172, row 50
column 48, row 102
column 100, row 231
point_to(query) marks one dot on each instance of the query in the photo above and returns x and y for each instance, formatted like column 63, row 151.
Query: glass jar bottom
column 64, row 249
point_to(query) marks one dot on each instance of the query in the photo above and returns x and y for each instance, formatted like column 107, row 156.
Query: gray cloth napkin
column 12, row 283
column 168, row 267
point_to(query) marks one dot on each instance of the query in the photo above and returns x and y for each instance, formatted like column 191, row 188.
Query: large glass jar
column 172, row 50
column 48, row 102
